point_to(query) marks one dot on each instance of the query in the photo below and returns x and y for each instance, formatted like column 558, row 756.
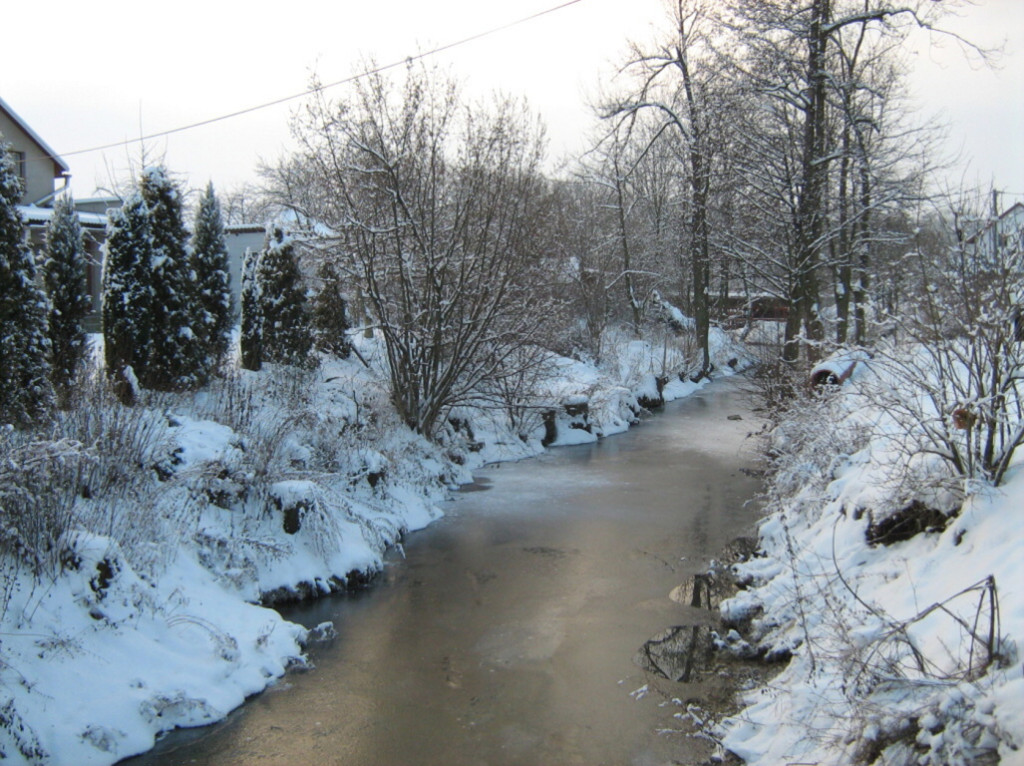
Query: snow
column 107, row 669
column 849, row 611
column 268, row 484
column 34, row 215
column 847, row 364
column 202, row 441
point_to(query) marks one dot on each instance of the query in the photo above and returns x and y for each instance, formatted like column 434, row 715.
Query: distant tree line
column 759, row 148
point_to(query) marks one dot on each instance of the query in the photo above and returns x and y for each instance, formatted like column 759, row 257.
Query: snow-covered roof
column 57, row 161
column 31, row 214
column 245, row 228
column 110, row 201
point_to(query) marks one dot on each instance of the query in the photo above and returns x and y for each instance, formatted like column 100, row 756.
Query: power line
column 309, row 91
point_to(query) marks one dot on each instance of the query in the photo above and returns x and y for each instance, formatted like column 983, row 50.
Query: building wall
column 97, row 205
column 239, row 239
column 38, row 168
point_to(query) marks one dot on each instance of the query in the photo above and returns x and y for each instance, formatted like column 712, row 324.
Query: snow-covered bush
column 516, row 386
column 956, row 398
column 39, row 481
column 954, row 381
column 146, row 529
column 113, row 488
column 886, row 588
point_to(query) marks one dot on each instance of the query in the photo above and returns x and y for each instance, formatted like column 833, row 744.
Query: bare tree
column 582, row 245
column 247, row 203
column 815, row 59
column 428, row 204
column 960, row 377
column 680, row 80
column 613, row 174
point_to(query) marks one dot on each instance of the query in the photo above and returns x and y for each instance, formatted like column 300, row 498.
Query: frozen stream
column 507, row 635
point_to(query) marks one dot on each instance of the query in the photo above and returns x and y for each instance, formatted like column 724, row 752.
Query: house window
column 19, row 163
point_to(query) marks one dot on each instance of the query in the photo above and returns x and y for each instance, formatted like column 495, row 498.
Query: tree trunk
column 700, row 180
column 843, row 258
column 863, row 265
column 811, row 210
column 627, row 260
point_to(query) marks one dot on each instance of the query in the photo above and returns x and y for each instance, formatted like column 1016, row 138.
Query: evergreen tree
column 127, row 297
column 65, row 274
column 252, row 312
column 287, row 337
column 174, row 358
column 330, row 314
column 212, row 280
column 25, row 392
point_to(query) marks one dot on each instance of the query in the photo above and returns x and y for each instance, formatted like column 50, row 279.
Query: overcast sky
column 84, row 75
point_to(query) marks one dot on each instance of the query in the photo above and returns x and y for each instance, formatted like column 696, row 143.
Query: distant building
column 995, row 240
column 41, row 168
column 38, row 165
column 239, row 238
column 737, row 309
column 1000, row 232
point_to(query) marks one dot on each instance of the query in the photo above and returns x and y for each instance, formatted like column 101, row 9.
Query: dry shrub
column 40, row 480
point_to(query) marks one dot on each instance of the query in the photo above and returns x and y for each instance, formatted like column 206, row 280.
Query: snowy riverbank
column 190, row 510
column 902, row 610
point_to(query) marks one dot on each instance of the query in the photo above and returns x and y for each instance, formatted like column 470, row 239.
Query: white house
column 999, row 237
column 1005, row 230
column 239, row 238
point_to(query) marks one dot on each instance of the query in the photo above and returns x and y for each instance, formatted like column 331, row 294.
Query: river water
column 507, row 633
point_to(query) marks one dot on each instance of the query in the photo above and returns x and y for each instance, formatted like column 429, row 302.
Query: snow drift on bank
column 269, row 485
column 902, row 609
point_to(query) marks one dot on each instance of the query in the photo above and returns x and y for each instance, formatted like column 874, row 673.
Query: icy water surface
column 507, row 635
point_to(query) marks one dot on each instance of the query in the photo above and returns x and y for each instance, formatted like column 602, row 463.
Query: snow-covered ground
column 192, row 510
column 903, row 650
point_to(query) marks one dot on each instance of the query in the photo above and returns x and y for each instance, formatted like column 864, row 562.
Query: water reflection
column 677, row 653
column 507, row 635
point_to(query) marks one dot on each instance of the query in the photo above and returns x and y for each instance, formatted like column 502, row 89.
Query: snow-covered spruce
column 65, row 274
column 287, row 338
column 174, row 360
column 25, row 391
column 209, row 256
column 251, row 300
column 126, row 296
column 329, row 312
